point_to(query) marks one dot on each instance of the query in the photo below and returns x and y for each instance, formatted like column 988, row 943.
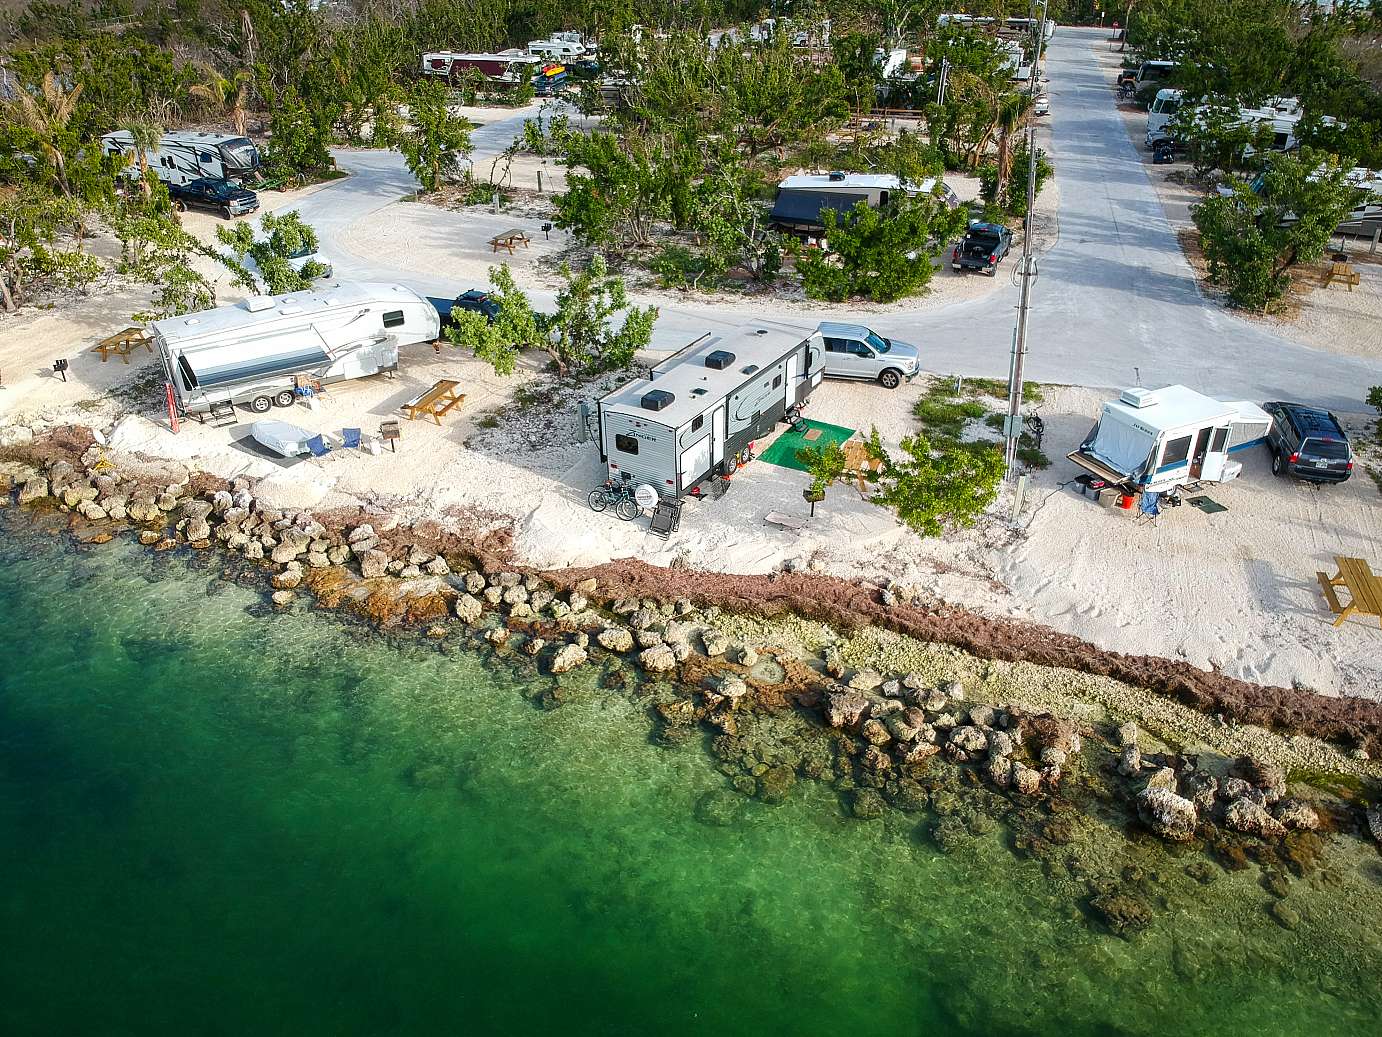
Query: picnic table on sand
column 436, row 401
column 1364, row 586
column 123, row 343
column 508, row 240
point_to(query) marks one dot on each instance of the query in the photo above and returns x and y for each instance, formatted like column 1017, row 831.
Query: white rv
column 802, row 197
column 703, row 406
column 1160, row 113
column 558, row 49
column 1158, row 439
column 249, row 352
column 182, row 156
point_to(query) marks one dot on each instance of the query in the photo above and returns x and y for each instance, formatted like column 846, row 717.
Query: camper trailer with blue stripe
column 252, row 352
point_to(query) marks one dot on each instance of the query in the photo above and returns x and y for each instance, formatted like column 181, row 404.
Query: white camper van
column 704, row 405
column 248, row 353
column 186, row 155
column 1155, row 440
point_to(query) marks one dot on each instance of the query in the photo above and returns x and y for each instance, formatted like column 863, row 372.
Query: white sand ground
column 1331, row 319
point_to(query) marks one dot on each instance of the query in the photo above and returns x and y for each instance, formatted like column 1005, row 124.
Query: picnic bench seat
column 123, row 343
column 1363, row 585
column 436, row 401
column 508, row 240
column 1342, row 273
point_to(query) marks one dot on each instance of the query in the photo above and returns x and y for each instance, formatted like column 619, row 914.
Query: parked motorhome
column 1282, row 114
column 1158, row 439
column 560, row 50
column 803, row 197
column 182, row 156
column 1028, row 25
column 704, row 406
column 508, row 68
column 249, row 352
column 1160, row 113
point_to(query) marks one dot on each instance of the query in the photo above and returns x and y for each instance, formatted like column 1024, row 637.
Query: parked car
column 1041, row 106
column 1126, row 75
column 853, row 351
column 982, row 248
column 474, row 300
column 1308, row 442
column 221, row 196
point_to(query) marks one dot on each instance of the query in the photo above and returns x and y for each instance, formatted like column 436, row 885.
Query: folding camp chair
column 350, row 438
column 318, row 446
column 1148, row 507
column 666, row 519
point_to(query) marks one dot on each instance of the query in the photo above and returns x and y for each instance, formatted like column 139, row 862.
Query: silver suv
column 853, row 351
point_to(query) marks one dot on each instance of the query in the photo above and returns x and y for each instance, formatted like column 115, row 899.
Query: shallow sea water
column 214, row 821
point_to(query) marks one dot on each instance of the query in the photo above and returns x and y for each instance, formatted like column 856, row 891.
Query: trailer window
column 189, row 379
column 625, row 444
column 777, row 382
column 1220, row 440
column 1176, row 452
column 697, row 422
column 393, row 319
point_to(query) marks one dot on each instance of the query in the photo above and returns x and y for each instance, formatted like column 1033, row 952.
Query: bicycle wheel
column 627, row 509
column 598, row 500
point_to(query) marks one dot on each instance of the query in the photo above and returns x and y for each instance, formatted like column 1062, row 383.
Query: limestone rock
column 866, row 680
column 288, row 579
column 1053, row 757
column 283, row 598
column 577, row 602
column 1000, row 743
column 982, row 716
column 362, row 547
column 1025, row 779
column 642, row 619
column 732, row 687
column 1297, row 814
column 373, row 564
column 587, row 586
column 1163, row 778
column 748, row 656
column 615, row 639
column 148, row 537
column 1130, row 762
column 468, row 608
column 534, row 645
column 647, row 638
column 954, row 690
column 474, row 582
column 866, row 804
column 1167, row 814
column 658, row 659
column 1265, row 775
column 254, row 551
column 1000, row 771
column 845, row 708
column 714, row 641
column 918, row 750
column 1127, row 734
column 1245, row 815
column 520, row 611
column 338, row 555
column 875, row 732
column 497, row 635
column 568, row 657
column 515, row 594
column 318, row 560
column 969, row 739
column 493, row 595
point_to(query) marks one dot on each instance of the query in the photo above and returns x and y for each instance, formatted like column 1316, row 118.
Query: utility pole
column 1012, row 427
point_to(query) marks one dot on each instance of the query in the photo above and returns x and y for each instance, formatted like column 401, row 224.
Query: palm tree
column 46, row 115
column 1013, row 111
column 144, row 136
column 226, row 93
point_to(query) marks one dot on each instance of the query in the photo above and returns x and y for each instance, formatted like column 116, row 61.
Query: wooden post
column 1375, row 236
column 172, row 407
column 539, row 189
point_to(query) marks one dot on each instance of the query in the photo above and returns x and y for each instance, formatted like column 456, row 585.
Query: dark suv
column 1308, row 443
column 224, row 197
column 983, row 245
column 474, row 300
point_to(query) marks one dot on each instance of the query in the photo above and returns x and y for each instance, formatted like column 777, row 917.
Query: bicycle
column 1126, row 93
column 620, row 496
column 1037, row 427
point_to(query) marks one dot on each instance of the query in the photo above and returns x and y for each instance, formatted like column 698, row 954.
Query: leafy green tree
column 515, row 326
column 580, row 334
column 623, row 192
column 881, row 253
column 1217, row 137
column 437, row 140
column 228, row 94
column 285, row 238
column 1253, row 237
column 45, row 117
column 934, row 491
column 298, row 144
column 824, row 464
column 34, row 255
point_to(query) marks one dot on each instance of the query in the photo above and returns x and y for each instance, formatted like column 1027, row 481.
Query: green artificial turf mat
column 783, row 452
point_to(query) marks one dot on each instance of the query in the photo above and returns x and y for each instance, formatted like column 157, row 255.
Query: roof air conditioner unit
column 1138, row 397
column 257, row 303
column 656, row 399
column 719, row 359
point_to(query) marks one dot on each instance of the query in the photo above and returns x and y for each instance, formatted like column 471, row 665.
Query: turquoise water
column 215, row 821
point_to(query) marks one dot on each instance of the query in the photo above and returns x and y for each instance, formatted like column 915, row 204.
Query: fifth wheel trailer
column 704, row 405
column 250, row 351
column 182, row 156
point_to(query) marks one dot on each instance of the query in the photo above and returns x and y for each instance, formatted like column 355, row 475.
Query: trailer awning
column 228, row 364
column 804, row 208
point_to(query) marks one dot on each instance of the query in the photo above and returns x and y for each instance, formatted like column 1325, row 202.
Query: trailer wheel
column 890, row 379
column 261, row 404
column 285, row 398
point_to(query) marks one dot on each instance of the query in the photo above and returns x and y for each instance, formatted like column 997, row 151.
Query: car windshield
column 217, row 189
column 878, row 342
column 1330, row 448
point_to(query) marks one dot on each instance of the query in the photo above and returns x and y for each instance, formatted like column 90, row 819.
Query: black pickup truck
column 982, row 247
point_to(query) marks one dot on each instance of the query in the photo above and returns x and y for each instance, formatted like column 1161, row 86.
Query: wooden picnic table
column 123, row 343
column 1364, row 586
column 1343, row 273
column 436, row 401
column 508, row 240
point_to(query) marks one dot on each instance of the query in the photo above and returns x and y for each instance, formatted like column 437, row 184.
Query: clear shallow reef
column 215, row 821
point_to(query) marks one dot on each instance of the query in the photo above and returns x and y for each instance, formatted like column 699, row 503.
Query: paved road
column 1115, row 292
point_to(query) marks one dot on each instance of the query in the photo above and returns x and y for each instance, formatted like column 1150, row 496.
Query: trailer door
column 791, row 391
column 717, row 435
column 1212, row 468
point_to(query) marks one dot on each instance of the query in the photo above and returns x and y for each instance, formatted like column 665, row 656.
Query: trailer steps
column 222, row 414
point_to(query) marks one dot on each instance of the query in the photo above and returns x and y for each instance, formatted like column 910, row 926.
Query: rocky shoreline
column 884, row 737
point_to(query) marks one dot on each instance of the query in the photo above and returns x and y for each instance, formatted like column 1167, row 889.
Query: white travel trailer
column 186, row 155
column 1155, row 440
column 802, row 197
column 702, row 407
column 249, row 352
column 558, row 49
